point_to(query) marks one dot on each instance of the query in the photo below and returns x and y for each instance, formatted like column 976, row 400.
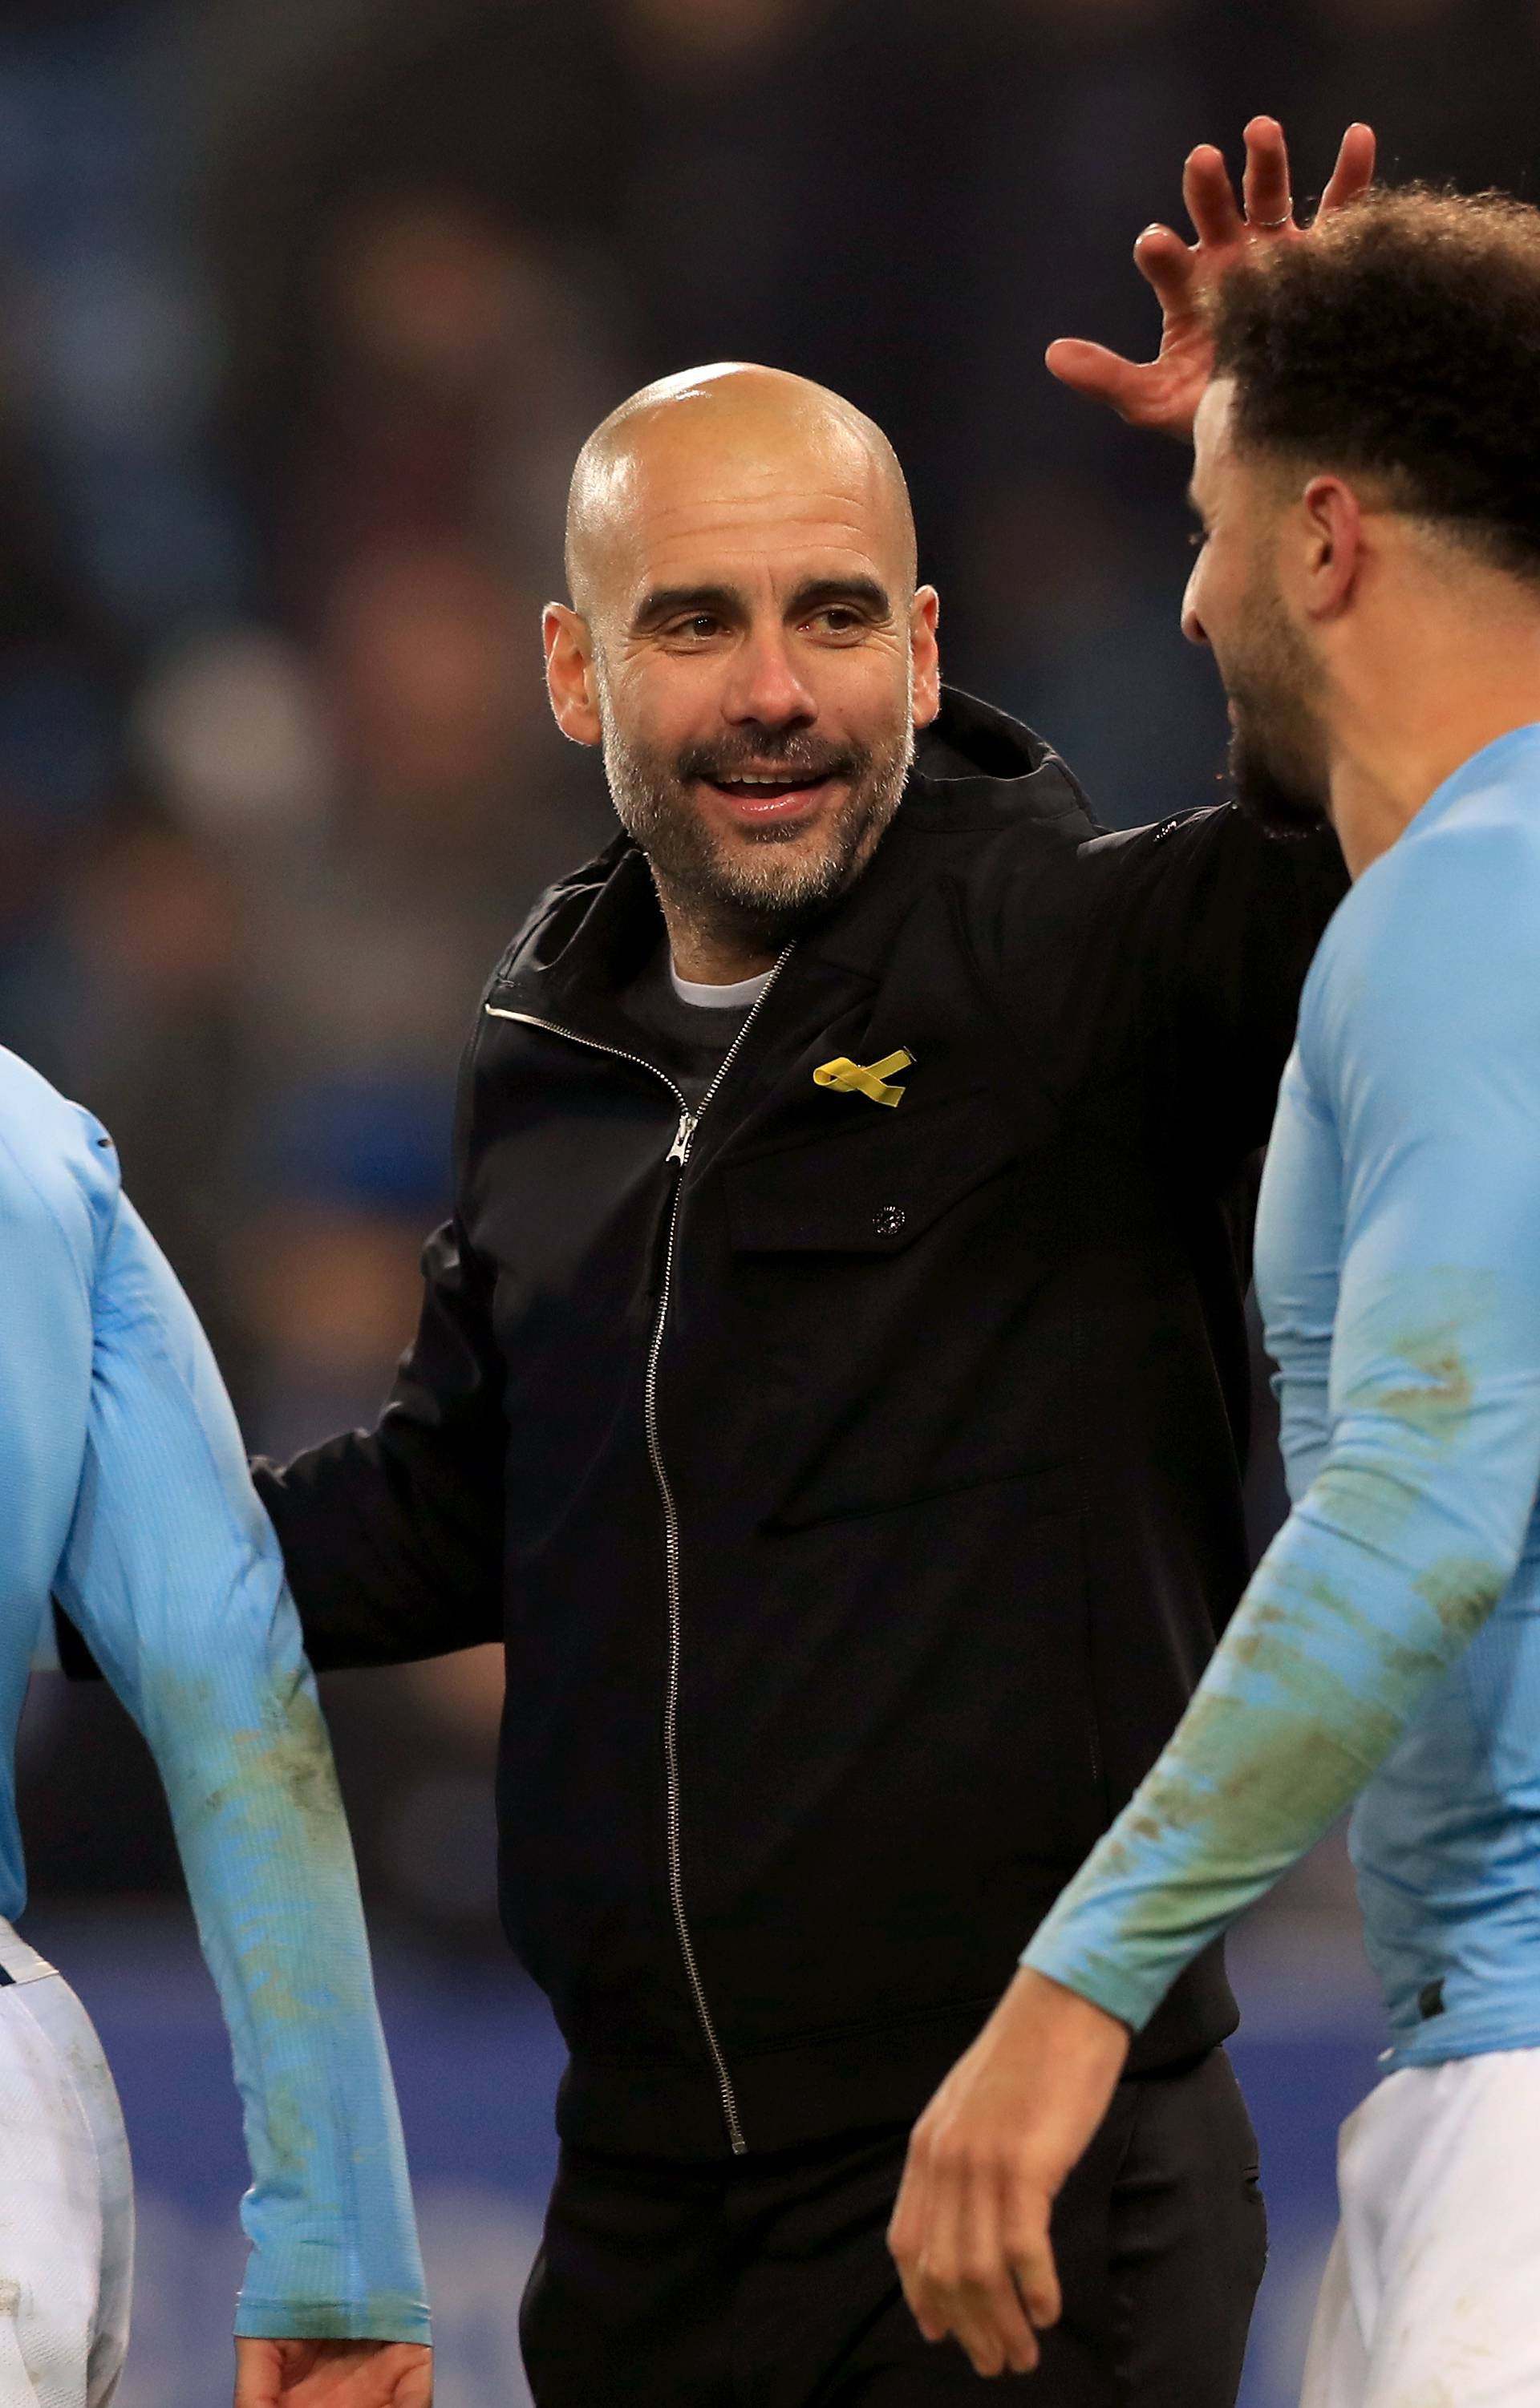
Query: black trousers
column 766, row 2283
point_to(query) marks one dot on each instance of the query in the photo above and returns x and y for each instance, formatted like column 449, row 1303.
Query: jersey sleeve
column 49, row 1239
column 173, row 1574
column 1298, row 1257
column 1421, row 1043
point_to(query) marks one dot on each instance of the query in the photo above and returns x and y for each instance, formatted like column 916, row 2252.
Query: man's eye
column 697, row 627
column 837, row 620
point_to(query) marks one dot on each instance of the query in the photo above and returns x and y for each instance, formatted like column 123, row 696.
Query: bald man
column 831, row 1389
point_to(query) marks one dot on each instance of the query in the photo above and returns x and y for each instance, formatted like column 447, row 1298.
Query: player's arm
column 1420, row 1063
column 1165, row 393
column 52, row 1189
column 1420, row 1066
column 173, row 1573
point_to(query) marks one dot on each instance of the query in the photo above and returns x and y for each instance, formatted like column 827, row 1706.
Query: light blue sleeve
column 1297, row 1262
column 173, row 1575
column 1420, row 1063
column 53, row 1189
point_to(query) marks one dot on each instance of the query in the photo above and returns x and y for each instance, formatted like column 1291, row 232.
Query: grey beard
column 770, row 891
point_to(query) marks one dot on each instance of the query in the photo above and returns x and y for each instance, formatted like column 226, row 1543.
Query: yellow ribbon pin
column 858, row 1078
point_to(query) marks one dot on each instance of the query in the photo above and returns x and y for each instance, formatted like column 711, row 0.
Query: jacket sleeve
column 391, row 1538
column 1240, row 915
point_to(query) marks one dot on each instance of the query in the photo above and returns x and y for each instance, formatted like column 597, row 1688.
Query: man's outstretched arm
column 173, row 1574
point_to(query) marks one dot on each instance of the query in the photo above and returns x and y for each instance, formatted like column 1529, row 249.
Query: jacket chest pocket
column 872, row 1188
column 887, row 1274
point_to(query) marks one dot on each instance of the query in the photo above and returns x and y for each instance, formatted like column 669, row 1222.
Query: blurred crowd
column 307, row 306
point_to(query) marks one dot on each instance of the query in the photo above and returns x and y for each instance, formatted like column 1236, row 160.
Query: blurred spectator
column 155, row 1041
column 452, row 371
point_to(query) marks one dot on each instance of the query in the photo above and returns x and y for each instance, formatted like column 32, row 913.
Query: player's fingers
column 1029, row 2254
column 906, row 2234
column 1354, row 171
column 992, row 2325
column 1091, row 369
column 989, row 2323
column 962, row 2285
column 937, row 2261
column 1209, row 198
column 1169, row 267
column 1264, row 186
column 989, row 2320
column 412, row 2388
column 259, row 2372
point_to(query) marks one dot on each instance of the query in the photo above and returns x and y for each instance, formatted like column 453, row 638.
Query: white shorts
column 67, row 2199
column 1432, row 2292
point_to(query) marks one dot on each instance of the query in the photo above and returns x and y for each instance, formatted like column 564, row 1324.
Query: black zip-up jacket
column 856, row 1487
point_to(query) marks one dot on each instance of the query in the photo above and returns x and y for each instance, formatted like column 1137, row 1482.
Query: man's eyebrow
column 820, row 591
column 668, row 601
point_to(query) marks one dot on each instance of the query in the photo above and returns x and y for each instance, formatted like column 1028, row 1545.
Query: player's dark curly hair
column 1402, row 342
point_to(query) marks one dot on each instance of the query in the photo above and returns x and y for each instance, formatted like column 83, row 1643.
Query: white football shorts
column 66, row 2198
column 1432, row 2292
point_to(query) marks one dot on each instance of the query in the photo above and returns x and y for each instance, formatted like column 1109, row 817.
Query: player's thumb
column 1088, row 368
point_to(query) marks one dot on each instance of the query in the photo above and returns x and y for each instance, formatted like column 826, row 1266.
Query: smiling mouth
column 785, row 789
column 764, row 790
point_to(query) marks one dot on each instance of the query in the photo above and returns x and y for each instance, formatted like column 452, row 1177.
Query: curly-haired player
column 1368, row 478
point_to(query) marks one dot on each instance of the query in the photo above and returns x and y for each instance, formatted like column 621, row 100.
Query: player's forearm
column 247, row 1768
column 1369, row 1593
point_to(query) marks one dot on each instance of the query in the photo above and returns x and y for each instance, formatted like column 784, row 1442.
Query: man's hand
column 333, row 2374
column 1165, row 393
column 986, row 2161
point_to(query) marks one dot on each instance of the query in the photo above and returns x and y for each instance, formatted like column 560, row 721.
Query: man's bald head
column 747, row 643
column 723, row 441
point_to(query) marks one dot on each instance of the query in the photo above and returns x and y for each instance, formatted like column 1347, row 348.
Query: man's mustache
column 800, row 761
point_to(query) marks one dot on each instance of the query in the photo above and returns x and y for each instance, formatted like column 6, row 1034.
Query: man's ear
column 569, row 673
column 923, row 611
column 1333, row 551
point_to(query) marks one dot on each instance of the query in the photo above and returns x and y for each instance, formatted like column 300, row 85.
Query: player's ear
column 570, row 672
column 923, row 611
column 1334, row 546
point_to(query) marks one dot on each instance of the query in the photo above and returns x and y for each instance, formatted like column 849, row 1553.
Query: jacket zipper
column 678, row 1152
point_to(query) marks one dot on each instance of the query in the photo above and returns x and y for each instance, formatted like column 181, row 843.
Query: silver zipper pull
column 688, row 1123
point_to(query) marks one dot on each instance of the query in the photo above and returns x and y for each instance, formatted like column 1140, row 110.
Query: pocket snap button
column 888, row 1218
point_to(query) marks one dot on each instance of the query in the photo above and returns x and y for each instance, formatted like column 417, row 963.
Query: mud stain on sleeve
column 1432, row 1321
column 1462, row 1591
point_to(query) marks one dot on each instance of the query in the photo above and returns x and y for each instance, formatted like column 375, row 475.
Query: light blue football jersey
column 124, row 1491
column 1388, row 1645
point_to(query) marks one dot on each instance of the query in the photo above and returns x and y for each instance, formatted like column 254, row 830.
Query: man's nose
column 765, row 684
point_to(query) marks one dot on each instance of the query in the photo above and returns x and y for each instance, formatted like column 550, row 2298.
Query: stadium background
column 305, row 306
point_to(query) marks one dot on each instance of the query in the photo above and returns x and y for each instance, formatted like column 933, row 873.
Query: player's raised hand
column 333, row 2374
column 1165, row 393
column 986, row 2161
